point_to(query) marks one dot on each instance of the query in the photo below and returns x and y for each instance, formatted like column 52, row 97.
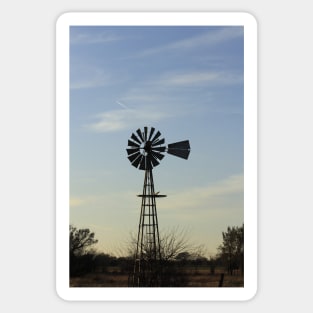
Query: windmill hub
column 148, row 147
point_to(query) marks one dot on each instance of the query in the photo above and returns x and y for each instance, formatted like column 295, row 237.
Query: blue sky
column 188, row 83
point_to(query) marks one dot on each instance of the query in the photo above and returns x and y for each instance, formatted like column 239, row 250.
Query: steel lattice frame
column 145, row 151
column 148, row 255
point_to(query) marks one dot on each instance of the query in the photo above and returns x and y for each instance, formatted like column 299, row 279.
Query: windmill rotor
column 146, row 148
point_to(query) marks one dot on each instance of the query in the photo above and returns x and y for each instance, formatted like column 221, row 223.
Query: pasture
column 201, row 277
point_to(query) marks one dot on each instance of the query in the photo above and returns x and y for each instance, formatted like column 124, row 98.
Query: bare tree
column 80, row 240
column 174, row 243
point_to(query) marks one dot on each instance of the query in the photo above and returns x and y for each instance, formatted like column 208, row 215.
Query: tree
column 80, row 240
column 81, row 256
column 175, row 249
column 231, row 250
column 174, row 243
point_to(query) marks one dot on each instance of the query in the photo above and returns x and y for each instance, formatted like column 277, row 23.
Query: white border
column 250, row 154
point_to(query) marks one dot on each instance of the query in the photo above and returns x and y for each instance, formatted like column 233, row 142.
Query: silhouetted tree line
column 84, row 259
column 177, row 254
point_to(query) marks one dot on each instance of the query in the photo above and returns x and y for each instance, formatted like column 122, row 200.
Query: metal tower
column 144, row 152
column 148, row 254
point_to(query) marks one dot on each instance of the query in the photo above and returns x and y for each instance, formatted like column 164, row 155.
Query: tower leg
column 148, row 255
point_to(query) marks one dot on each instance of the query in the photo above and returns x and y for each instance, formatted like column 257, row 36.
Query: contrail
column 122, row 105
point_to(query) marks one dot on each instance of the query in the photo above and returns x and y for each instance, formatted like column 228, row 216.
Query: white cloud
column 120, row 119
column 154, row 100
column 200, row 78
column 162, row 92
column 209, row 38
column 76, row 202
column 79, row 38
column 204, row 197
column 84, row 76
column 110, row 199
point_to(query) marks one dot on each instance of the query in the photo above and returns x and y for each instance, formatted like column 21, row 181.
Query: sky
column 188, row 83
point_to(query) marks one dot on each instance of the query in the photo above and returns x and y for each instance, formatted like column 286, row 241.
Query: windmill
column 145, row 151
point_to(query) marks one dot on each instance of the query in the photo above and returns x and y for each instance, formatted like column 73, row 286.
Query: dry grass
column 196, row 278
column 100, row 280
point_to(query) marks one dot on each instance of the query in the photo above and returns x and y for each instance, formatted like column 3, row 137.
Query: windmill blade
column 181, row 153
column 153, row 160
column 161, row 149
column 151, row 133
column 134, row 156
column 184, row 145
column 156, row 136
column 131, row 151
column 146, row 133
column 138, row 131
column 157, row 155
column 149, row 162
column 133, row 136
column 142, row 165
column 160, row 142
column 133, row 144
column 137, row 160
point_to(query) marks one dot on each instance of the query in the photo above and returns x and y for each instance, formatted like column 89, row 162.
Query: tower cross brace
column 146, row 271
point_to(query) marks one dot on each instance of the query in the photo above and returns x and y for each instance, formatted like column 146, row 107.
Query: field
column 201, row 277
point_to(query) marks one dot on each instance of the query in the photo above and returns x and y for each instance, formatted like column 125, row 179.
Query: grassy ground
column 196, row 278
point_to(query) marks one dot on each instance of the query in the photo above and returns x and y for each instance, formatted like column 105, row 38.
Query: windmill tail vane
column 145, row 151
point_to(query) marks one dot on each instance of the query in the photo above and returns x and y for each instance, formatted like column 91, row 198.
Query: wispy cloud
column 111, row 200
column 200, row 78
column 193, row 198
column 153, row 101
column 88, row 77
column 120, row 119
column 84, row 77
column 88, row 37
column 76, row 202
column 205, row 196
column 208, row 38
column 171, row 88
